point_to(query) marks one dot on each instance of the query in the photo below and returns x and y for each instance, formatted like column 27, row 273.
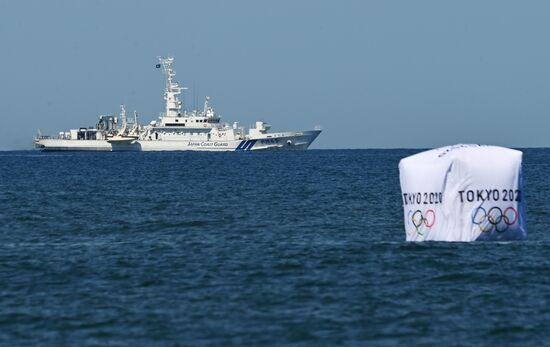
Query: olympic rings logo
column 420, row 220
column 494, row 219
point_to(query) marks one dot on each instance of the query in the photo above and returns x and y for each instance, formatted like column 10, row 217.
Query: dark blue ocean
column 253, row 249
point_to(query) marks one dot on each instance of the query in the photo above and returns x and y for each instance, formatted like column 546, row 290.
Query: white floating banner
column 463, row 193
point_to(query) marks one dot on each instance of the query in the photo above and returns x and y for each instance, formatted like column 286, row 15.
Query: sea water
column 240, row 249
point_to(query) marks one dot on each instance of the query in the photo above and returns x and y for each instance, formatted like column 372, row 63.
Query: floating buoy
column 463, row 193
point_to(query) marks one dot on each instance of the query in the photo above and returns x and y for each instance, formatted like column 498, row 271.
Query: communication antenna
column 197, row 99
column 194, row 96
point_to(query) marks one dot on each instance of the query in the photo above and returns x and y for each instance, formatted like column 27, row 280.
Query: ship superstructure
column 175, row 130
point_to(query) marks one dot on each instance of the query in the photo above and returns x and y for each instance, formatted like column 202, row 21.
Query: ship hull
column 285, row 141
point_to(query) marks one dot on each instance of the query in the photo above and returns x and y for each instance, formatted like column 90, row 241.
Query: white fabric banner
column 463, row 193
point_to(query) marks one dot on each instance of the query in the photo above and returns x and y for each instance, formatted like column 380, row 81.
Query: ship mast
column 123, row 119
column 173, row 104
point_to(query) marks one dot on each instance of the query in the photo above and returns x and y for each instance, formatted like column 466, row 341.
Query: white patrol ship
column 175, row 130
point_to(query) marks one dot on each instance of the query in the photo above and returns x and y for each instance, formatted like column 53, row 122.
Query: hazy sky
column 371, row 73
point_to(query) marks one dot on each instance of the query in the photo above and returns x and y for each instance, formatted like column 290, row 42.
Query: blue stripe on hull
column 246, row 145
column 241, row 145
column 252, row 143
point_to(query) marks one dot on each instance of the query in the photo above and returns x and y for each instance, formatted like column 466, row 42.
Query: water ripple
column 202, row 249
